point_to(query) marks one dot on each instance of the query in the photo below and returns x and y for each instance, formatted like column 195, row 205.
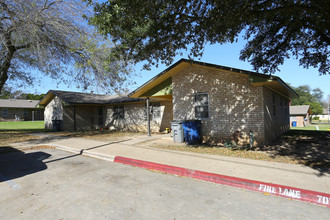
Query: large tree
column 157, row 30
column 52, row 37
column 308, row 96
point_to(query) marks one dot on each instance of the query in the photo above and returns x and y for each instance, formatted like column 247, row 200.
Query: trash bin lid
column 177, row 122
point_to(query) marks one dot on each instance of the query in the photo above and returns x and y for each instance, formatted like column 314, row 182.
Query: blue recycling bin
column 192, row 131
column 294, row 124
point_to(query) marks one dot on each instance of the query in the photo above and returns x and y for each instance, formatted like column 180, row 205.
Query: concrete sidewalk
column 297, row 176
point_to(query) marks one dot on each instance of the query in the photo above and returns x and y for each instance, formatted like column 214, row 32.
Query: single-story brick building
column 225, row 99
column 20, row 109
column 300, row 115
column 85, row 111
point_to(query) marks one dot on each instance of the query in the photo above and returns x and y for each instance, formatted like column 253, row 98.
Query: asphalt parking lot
column 53, row 184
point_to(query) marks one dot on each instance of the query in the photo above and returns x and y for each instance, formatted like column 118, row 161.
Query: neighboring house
column 300, row 115
column 225, row 99
column 19, row 109
column 325, row 116
column 85, row 111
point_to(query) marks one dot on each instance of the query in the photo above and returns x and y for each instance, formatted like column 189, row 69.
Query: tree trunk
column 5, row 67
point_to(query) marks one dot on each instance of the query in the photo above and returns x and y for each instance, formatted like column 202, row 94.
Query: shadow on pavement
column 311, row 148
column 15, row 163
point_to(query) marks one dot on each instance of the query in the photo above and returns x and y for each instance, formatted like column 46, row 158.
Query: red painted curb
column 266, row 188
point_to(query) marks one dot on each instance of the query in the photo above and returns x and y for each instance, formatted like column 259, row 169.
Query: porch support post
column 74, row 118
column 148, row 116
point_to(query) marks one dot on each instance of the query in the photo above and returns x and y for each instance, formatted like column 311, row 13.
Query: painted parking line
column 258, row 186
column 12, row 184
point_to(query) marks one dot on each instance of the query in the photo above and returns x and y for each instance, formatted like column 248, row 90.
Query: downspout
column 148, row 116
column 74, row 118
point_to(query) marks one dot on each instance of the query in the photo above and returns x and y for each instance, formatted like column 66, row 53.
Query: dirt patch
column 103, row 135
column 8, row 137
column 218, row 150
column 310, row 148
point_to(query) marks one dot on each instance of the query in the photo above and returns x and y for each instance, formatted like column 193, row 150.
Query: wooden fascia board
column 46, row 99
column 223, row 70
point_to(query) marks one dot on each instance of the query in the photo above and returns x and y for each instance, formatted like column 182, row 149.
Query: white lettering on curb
column 285, row 192
column 323, row 200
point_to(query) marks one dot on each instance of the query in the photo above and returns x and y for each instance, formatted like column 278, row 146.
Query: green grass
column 22, row 125
column 322, row 127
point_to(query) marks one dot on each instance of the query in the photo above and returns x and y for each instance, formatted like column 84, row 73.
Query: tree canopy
column 10, row 93
column 52, row 36
column 308, row 96
column 157, row 30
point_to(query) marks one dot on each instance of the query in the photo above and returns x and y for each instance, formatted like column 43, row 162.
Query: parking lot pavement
column 53, row 184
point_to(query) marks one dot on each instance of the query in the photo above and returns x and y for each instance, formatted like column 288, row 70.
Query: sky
column 225, row 55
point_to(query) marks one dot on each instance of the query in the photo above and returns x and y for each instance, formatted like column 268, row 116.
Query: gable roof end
column 256, row 79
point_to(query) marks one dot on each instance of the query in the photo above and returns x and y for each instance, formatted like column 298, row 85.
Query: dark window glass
column 155, row 109
column 118, row 112
column 201, row 105
column 100, row 115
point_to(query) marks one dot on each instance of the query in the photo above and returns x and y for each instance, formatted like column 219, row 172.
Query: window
column 100, row 110
column 274, row 105
column 26, row 113
column 5, row 112
column 155, row 109
column 201, row 105
column 38, row 114
column 118, row 112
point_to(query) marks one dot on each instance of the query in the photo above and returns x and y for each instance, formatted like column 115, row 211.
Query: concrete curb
column 304, row 195
column 99, row 156
column 314, row 197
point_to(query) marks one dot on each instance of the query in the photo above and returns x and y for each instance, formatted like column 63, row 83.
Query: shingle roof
column 299, row 109
column 88, row 98
column 18, row 103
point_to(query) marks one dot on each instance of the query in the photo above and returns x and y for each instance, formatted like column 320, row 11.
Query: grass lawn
column 312, row 127
column 16, row 131
column 22, row 125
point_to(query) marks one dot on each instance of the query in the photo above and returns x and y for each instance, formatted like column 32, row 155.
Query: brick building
column 85, row 111
column 225, row 99
column 300, row 115
column 20, row 109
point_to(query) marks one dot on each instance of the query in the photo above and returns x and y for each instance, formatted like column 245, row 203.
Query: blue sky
column 225, row 55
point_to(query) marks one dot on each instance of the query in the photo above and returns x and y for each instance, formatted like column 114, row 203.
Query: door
column 100, row 116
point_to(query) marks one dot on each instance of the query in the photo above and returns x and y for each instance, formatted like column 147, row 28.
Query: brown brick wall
column 234, row 104
column 135, row 118
column 53, row 111
column 20, row 112
column 87, row 117
column 279, row 123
